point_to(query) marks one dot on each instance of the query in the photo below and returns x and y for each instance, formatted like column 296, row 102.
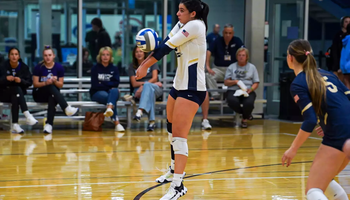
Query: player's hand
column 320, row 131
column 249, row 91
column 49, row 82
column 141, row 72
column 10, row 78
column 288, row 157
column 17, row 79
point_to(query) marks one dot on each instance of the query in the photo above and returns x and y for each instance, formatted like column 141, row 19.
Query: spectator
column 102, row 37
column 117, row 41
column 337, row 47
column 87, row 64
column 47, row 80
column 224, row 51
column 104, row 85
column 15, row 79
column 345, row 57
column 91, row 38
column 147, row 89
column 242, row 79
column 211, row 37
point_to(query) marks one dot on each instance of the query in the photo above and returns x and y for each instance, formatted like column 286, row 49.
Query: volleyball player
column 47, row 80
column 15, row 79
column 188, row 38
column 323, row 99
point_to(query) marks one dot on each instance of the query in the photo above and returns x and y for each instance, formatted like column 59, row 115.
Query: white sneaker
column 16, row 128
column 71, row 110
column 167, row 177
column 175, row 192
column 119, row 128
column 206, row 125
column 31, row 120
column 108, row 113
column 48, row 128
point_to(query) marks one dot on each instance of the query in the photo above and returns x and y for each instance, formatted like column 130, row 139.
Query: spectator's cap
column 97, row 22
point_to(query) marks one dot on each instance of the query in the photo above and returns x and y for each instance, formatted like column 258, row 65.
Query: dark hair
column 201, row 8
column 301, row 50
column 85, row 50
column 342, row 21
column 19, row 53
column 348, row 29
column 135, row 63
column 97, row 21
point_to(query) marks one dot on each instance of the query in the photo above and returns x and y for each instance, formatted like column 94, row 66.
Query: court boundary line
column 138, row 197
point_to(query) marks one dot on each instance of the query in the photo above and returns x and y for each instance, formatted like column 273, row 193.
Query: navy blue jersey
column 335, row 120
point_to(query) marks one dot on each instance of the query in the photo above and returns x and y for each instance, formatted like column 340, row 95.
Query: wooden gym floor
column 226, row 163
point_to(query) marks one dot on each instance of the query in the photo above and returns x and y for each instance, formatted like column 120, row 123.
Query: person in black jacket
column 15, row 78
column 104, row 85
column 337, row 46
column 102, row 38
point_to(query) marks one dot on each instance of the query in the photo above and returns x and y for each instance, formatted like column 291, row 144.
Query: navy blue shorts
column 195, row 96
column 335, row 143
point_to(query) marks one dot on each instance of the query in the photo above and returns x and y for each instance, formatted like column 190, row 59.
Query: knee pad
column 180, row 146
column 315, row 194
column 170, row 138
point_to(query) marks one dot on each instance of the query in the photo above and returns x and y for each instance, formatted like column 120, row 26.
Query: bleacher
column 76, row 92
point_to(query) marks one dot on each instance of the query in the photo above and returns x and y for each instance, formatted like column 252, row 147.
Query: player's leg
column 168, row 176
column 205, row 109
column 317, row 183
column 185, row 108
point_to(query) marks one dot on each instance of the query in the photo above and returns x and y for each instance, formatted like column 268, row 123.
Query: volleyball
column 147, row 39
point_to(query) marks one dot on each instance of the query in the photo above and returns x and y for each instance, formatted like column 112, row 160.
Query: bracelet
column 252, row 89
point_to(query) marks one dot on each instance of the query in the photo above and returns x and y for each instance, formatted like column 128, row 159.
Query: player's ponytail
column 201, row 8
column 302, row 52
column 205, row 13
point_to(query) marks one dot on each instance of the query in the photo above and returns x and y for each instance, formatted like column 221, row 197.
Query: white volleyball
column 147, row 39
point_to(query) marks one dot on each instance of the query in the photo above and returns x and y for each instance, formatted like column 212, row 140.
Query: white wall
column 227, row 11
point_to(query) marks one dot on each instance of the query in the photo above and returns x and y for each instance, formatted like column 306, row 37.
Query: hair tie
column 307, row 53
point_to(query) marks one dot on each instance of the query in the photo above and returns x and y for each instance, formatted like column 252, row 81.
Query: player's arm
column 150, row 61
column 301, row 97
column 185, row 34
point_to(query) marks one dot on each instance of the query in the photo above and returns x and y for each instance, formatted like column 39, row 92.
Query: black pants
column 14, row 95
column 235, row 103
column 50, row 94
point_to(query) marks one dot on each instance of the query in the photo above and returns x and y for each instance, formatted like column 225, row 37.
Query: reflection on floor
column 226, row 163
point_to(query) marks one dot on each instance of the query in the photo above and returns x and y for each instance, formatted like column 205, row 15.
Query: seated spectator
column 87, row 64
column 47, row 80
column 242, row 80
column 147, row 89
column 104, row 85
column 15, row 79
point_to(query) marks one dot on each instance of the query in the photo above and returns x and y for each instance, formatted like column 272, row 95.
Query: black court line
column 159, row 150
column 138, row 197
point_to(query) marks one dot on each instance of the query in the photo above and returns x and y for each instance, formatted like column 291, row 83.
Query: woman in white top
column 188, row 38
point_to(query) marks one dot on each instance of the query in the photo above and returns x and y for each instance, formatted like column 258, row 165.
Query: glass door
column 286, row 23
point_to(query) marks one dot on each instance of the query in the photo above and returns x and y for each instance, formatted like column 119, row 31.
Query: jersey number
column 330, row 86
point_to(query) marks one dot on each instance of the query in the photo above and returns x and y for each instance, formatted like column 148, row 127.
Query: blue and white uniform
column 189, row 43
column 335, row 120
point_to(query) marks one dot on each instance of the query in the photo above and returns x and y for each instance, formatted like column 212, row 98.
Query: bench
column 79, row 104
